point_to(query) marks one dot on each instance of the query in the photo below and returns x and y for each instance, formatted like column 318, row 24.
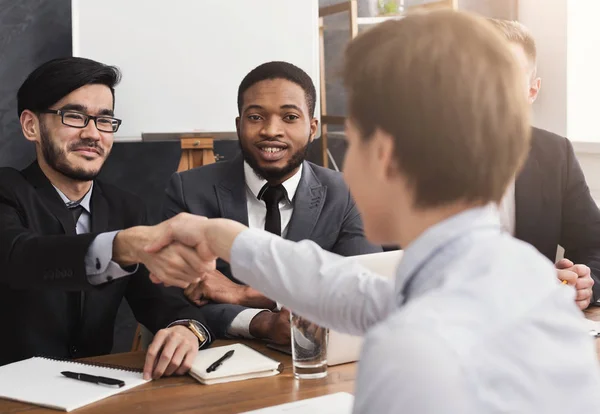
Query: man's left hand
column 584, row 283
column 214, row 286
column 171, row 352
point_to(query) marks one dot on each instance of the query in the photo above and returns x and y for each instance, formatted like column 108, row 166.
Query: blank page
column 39, row 381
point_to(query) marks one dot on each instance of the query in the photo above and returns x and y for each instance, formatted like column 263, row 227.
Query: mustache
column 87, row 144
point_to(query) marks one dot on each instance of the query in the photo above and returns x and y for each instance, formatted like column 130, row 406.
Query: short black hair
column 279, row 70
column 54, row 80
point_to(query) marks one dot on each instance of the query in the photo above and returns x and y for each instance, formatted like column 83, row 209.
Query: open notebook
column 245, row 363
column 39, row 381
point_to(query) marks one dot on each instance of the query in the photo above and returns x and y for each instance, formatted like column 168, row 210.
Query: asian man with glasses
column 63, row 271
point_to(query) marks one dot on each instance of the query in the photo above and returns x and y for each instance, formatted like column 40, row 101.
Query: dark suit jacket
column 324, row 212
column 47, row 305
column 554, row 205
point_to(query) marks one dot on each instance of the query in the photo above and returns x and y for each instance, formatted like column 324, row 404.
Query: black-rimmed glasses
column 78, row 120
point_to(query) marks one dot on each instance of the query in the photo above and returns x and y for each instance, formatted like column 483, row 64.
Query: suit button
column 73, row 349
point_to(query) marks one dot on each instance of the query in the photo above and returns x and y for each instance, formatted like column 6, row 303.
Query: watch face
column 198, row 330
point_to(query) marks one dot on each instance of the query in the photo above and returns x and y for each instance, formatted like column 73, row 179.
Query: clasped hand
column 175, row 251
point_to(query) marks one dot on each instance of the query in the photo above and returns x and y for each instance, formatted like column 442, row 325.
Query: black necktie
column 272, row 196
column 75, row 300
column 76, row 210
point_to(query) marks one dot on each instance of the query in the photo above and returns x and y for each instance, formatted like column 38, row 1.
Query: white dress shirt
column 99, row 266
column 475, row 322
column 257, row 212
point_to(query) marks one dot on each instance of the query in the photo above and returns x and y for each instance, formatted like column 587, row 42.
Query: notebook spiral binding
column 95, row 364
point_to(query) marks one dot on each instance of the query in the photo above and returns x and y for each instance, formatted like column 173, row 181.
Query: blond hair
column 446, row 87
column 516, row 32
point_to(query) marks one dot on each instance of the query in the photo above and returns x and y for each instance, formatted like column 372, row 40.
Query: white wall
column 583, row 67
column 568, row 50
column 547, row 20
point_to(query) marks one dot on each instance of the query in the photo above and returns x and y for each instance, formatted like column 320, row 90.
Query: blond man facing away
column 476, row 321
column 549, row 204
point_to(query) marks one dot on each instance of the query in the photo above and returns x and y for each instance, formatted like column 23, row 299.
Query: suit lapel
column 308, row 203
column 529, row 200
column 231, row 193
column 99, row 210
column 54, row 203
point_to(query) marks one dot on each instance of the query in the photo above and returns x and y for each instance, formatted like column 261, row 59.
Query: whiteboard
column 183, row 60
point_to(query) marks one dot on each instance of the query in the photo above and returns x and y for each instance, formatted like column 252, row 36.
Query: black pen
column 93, row 378
column 219, row 361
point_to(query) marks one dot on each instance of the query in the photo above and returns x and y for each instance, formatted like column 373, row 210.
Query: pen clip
column 111, row 381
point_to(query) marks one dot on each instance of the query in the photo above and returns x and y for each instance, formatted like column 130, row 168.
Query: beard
column 275, row 174
column 56, row 157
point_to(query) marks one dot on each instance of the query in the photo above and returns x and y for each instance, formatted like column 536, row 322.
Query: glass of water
column 309, row 348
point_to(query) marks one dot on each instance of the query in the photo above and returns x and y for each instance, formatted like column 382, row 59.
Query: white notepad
column 338, row 403
column 39, row 381
column 245, row 363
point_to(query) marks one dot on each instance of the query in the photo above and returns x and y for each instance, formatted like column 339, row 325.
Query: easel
column 196, row 152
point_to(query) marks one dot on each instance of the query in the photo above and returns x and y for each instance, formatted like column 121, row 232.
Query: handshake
column 177, row 252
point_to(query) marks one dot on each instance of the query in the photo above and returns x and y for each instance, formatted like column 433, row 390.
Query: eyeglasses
column 78, row 120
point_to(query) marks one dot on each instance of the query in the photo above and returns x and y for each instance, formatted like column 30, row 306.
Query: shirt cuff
column 240, row 326
column 99, row 266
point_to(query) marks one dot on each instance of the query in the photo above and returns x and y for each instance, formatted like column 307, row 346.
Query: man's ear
column 534, row 89
column 386, row 157
column 30, row 125
column 314, row 125
column 237, row 126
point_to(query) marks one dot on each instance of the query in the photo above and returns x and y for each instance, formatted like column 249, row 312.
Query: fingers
column 165, row 238
column 564, row 264
column 187, row 362
column 154, row 279
column 582, row 304
column 177, row 359
column 581, row 270
column 166, row 355
column 191, row 257
column 585, row 282
column 170, row 266
column 567, row 275
column 152, row 353
column 172, row 351
column 583, row 294
column 195, row 293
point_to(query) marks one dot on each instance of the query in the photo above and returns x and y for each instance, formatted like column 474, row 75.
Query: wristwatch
column 197, row 329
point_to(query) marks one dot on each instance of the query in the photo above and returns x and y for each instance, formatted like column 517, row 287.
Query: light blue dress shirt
column 99, row 266
column 476, row 321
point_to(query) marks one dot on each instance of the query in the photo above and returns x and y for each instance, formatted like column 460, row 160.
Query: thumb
column 154, row 279
column 564, row 264
column 164, row 239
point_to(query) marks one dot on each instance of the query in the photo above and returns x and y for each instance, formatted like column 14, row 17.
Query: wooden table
column 186, row 395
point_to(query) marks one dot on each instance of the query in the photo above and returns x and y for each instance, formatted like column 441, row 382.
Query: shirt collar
column 433, row 241
column 85, row 201
column 256, row 183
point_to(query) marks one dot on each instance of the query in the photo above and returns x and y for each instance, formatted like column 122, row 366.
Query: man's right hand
column 178, row 265
column 272, row 326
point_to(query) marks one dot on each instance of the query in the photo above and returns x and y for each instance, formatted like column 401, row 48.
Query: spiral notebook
column 39, row 381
